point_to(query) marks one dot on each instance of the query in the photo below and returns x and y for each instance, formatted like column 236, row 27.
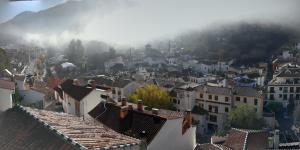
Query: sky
column 152, row 19
column 147, row 20
column 10, row 9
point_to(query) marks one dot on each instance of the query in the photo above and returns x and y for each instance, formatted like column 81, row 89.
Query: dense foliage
column 244, row 116
column 4, row 62
column 245, row 42
column 152, row 96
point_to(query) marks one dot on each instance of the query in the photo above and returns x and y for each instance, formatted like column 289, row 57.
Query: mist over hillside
column 245, row 42
column 191, row 27
column 56, row 25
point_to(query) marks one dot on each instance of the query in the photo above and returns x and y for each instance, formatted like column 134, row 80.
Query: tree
column 152, row 96
column 244, row 116
column 275, row 107
column 4, row 62
column 296, row 115
column 75, row 52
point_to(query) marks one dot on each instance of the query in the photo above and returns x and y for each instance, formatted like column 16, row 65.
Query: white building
column 79, row 100
column 7, row 89
column 209, row 67
column 202, row 79
column 287, row 55
column 218, row 101
column 121, row 88
column 142, row 74
column 159, row 129
column 112, row 62
column 285, row 85
column 183, row 97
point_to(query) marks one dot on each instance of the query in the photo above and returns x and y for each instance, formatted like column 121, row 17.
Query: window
column 291, row 96
column 285, row 89
column 226, row 99
column 113, row 91
column 245, row 100
column 216, row 98
column 271, row 90
column 280, row 88
column 280, row 95
column 180, row 94
column 201, row 95
column 178, row 101
column 284, row 97
column 226, row 109
column 298, row 89
column 216, row 109
column 271, row 97
column 297, row 96
column 292, row 89
column 255, row 101
column 213, row 118
column 237, row 98
column 209, row 97
column 201, row 105
column 174, row 101
column 210, row 108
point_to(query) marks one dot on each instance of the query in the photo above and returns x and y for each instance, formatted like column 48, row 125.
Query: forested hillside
column 245, row 42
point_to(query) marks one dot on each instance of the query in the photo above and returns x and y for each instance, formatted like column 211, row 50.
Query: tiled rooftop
column 75, row 91
column 248, row 91
column 163, row 113
column 4, row 84
column 135, row 122
column 214, row 90
column 19, row 131
column 86, row 132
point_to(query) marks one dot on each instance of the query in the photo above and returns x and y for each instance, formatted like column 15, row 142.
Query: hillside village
column 95, row 111
column 149, row 75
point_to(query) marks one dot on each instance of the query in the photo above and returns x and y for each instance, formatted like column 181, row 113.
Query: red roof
column 4, row 84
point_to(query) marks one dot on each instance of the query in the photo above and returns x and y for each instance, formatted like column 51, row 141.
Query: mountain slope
column 246, row 42
column 71, row 16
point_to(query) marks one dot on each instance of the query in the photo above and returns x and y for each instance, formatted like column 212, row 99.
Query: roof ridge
column 250, row 130
column 245, row 142
column 67, row 138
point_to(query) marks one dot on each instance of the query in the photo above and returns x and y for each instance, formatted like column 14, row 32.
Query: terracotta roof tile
column 86, row 132
column 207, row 146
column 236, row 139
column 4, row 84
column 19, row 131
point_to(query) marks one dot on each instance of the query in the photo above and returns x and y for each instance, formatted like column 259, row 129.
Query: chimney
column 123, row 112
column 155, row 111
column 188, row 117
column 130, row 107
column 76, row 82
column 187, row 121
column 276, row 139
column 140, row 106
column 124, row 102
column 92, row 83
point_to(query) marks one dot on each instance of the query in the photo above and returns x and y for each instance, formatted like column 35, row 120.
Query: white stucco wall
column 5, row 99
column 91, row 101
column 170, row 137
